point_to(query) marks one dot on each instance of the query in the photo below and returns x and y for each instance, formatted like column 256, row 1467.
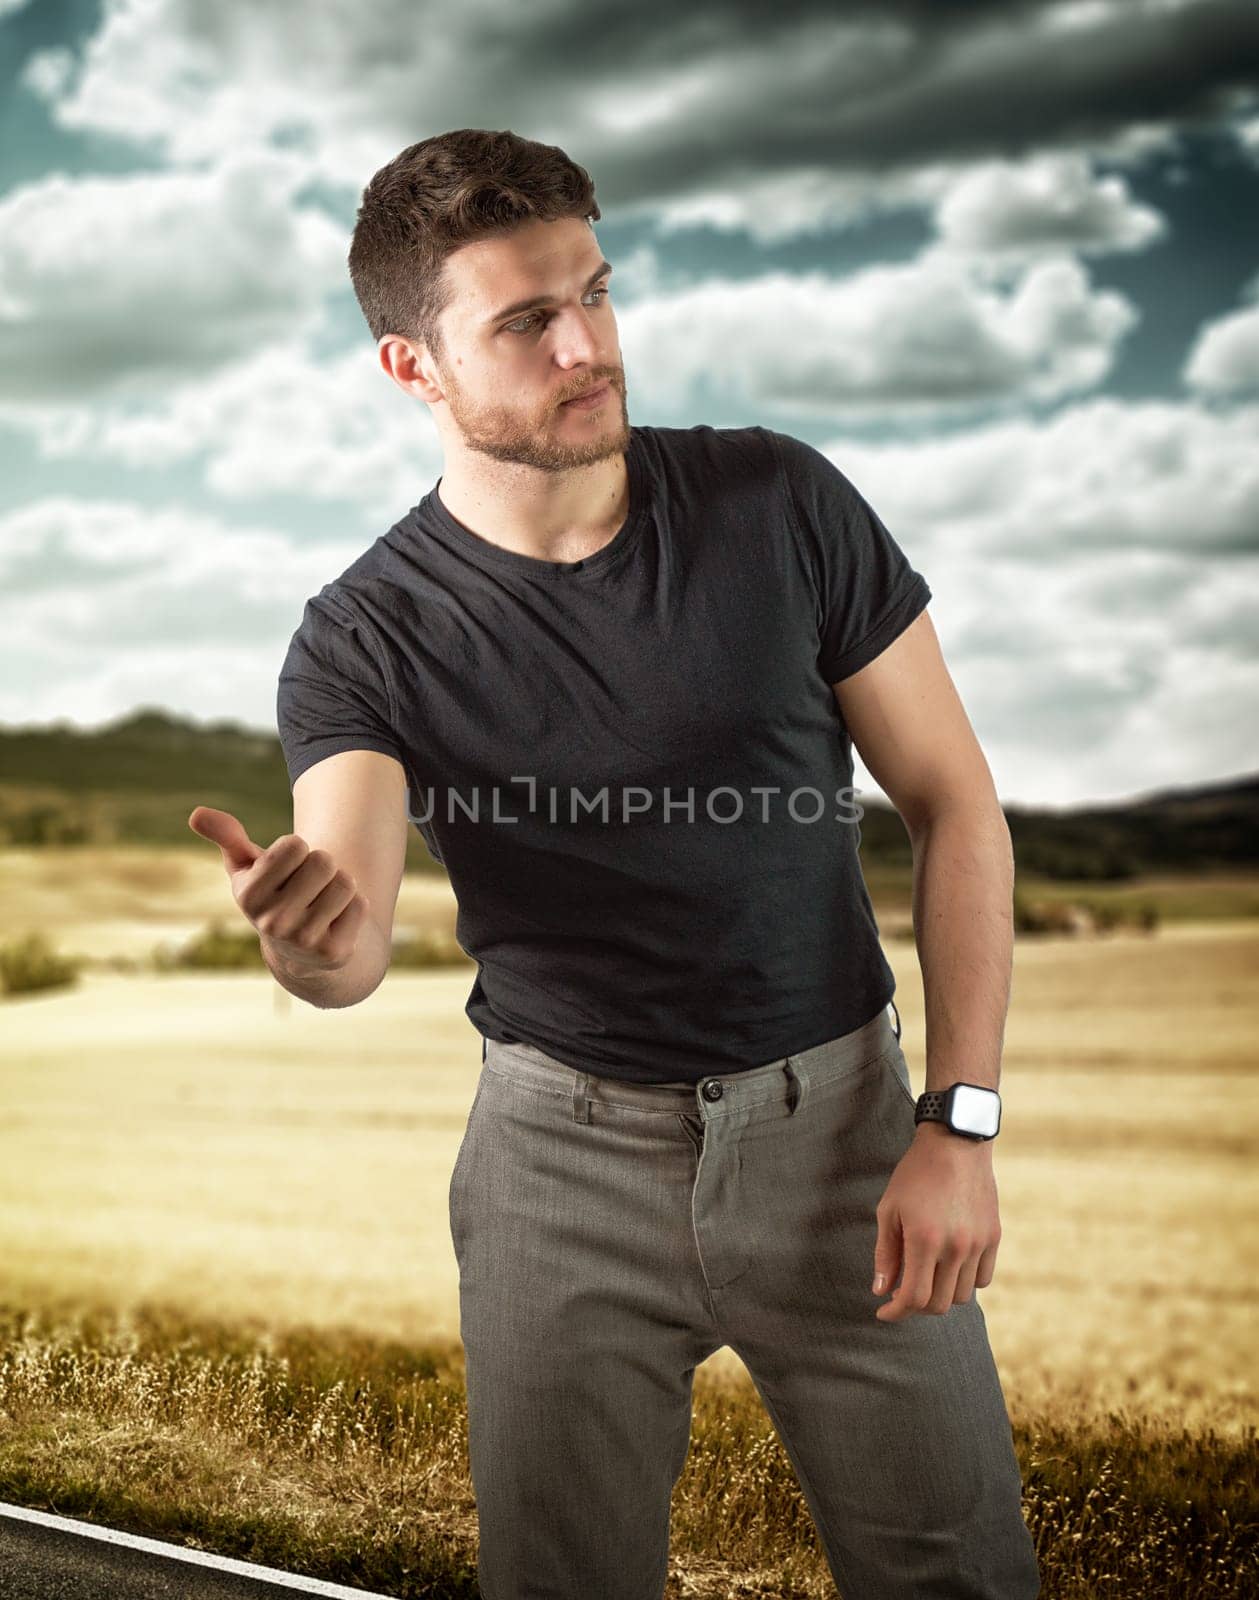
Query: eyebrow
column 601, row 271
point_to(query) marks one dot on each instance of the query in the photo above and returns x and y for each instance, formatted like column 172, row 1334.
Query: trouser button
column 712, row 1090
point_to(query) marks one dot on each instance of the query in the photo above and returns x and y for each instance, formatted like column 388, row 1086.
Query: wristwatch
column 966, row 1108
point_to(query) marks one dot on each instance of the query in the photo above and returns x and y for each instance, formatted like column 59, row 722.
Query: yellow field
column 209, row 1140
column 123, row 901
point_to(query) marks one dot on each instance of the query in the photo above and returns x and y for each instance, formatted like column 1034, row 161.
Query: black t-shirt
column 632, row 766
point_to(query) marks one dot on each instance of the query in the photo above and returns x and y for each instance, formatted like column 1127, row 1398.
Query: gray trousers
column 611, row 1235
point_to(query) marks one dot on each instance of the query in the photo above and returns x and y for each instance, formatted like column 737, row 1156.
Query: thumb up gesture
column 305, row 907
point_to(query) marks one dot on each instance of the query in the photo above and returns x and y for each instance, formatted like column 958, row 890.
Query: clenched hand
column 308, row 908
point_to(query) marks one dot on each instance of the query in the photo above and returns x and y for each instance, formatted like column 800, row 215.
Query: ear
column 409, row 364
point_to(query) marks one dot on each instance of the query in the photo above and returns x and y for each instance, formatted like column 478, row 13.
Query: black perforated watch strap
column 930, row 1107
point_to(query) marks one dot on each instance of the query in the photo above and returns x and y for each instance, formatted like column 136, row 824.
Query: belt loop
column 581, row 1100
column 892, row 1003
column 801, row 1081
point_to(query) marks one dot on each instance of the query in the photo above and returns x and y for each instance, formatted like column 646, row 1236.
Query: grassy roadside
column 344, row 1458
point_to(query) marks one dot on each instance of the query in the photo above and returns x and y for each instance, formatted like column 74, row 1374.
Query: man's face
column 506, row 373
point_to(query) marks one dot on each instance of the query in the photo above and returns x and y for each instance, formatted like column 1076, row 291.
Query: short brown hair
column 445, row 192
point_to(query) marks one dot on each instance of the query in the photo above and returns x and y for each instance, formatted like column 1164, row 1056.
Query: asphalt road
column 47, row 1557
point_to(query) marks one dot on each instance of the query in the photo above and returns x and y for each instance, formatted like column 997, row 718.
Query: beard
column 552, row 438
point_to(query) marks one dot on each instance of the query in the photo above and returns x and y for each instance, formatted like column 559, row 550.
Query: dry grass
column 340, row 1456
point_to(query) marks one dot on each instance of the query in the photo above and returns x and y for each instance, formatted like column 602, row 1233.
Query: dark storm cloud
column 870, row 87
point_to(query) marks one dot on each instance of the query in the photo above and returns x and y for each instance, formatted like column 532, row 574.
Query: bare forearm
column 963, row 915
column 345, row 986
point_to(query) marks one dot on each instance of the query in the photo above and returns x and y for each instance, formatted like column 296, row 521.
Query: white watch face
column 976, row 1110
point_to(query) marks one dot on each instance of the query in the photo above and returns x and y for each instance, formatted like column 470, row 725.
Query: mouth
column 590, row 396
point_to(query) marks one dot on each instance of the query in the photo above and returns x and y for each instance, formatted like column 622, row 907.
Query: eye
column 521, row 325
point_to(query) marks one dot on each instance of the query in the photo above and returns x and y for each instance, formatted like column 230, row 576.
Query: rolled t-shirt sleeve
column 867, row 591
column 332, row 694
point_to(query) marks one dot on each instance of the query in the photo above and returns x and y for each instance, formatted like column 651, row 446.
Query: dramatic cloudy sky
column 999, row 260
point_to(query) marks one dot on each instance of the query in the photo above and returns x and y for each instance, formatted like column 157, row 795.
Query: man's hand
column 938, row 1220
column 297, row 898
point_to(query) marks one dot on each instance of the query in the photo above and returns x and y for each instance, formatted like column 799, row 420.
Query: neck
column 550, row 516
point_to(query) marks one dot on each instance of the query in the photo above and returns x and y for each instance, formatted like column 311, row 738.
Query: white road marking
column 200, row 1558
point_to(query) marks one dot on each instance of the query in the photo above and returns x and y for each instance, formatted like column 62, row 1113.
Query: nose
column 578, row 340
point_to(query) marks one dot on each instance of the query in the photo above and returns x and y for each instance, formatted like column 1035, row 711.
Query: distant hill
column 135, row 780
column 1209, row 828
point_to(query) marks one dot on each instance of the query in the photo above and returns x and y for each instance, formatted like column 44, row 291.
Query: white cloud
column 1095, row 578
column 47, row 73
column 106, row 604
column 108, row 284
column 1100, row 476
column 1224, row 359
column 1246, row 132
column 1105, row 678
column 1089, row 214
column 197, row 82
column 281, row 422
column 1047, row 204
column 911, row 339
column 777, row 206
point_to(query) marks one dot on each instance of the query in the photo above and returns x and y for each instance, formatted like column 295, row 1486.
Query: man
column 610, row 671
